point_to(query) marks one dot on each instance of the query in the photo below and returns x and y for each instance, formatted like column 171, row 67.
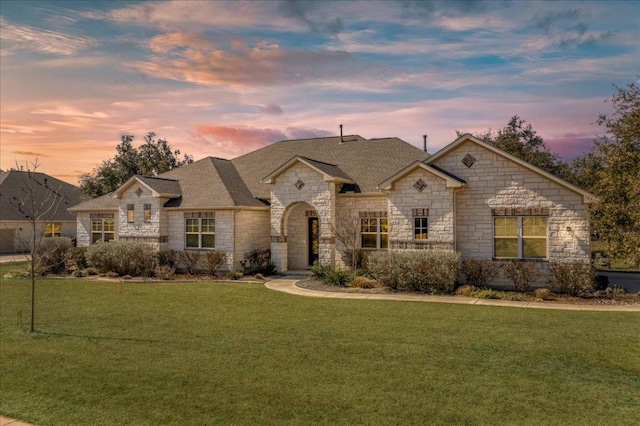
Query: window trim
column 102, row 231
column 131, row 213
column 147, row 213
column 425, row 228
column 50, row 229
column 521, row 238
column 200, row 233
column 378, row 232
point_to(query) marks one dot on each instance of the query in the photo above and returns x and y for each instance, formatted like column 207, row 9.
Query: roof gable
column 159, row 187
column 451, row 180
column 587, row 197
column 329, row 172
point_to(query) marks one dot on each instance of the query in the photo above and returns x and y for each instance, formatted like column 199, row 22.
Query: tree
column 37, row 202
column 520, row 140
column 153, row 157
column 347, row 231
column 611, row 170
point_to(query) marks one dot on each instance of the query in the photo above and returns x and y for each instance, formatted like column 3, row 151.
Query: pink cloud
column 570, row 145
column 229, row 142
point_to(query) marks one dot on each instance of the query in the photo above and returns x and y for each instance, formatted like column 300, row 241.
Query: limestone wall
column 251, row 232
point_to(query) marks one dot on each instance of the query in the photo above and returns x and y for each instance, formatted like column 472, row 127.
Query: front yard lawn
column 230, row 353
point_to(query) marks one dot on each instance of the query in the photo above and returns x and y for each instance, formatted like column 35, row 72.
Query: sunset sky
column 224, row 78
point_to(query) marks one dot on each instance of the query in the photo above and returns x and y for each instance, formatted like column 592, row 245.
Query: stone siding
column 495, row 182
column 251, row 232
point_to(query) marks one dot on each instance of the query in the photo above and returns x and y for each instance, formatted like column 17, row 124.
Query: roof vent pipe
column 341, row 138
column 425, row 142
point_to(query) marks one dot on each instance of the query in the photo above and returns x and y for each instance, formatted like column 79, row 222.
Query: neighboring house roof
column 451, row 180
column 330, row 172
column 159, row 187
column 47, row 190
column 105, row 202
column 367, row 162
column 586, row 196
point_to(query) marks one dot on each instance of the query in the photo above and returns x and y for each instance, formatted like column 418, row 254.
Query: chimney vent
column 425, row 142
column 341, row 138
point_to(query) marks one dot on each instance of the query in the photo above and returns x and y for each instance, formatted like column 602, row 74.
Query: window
column 53, row 230
column 102, row 230
column 520, row 237
column 147, row 212
column 420, row 228
column 131, row 213
column 200, row 233
column 374, row 233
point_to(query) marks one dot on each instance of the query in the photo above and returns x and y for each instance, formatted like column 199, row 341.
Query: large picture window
column 200, row 233
column 53, row 230
column 374, row 233
column 102, row 230
column 520, row 237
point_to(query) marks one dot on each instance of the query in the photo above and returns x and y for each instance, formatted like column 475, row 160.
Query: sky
column 224, row 78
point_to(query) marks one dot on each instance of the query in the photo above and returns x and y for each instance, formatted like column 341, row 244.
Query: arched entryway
column 301, row 228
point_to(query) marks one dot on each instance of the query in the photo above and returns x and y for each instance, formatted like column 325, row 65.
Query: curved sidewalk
column 288, row 285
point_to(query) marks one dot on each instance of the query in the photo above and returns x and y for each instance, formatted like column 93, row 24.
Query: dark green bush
column 574, row 278
column 422, row 271
column 479, row 272
column 258, row 261
column 167, row 258
column 51, row 254
column 123, row 258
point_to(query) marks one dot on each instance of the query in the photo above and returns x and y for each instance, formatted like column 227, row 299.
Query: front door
column 314, row 233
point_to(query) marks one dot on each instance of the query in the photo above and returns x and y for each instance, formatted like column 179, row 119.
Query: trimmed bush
column 465, row 290
column 542, row 293
column 51, row 254
column 522, row 274
column 487, row 293
column 479, row 272
column 168, row 258
column 574, row 278
column 77, row 258
column 422, row 271
column 123, row 258
column 258, row 261
column 213, row 260
column 190, row 259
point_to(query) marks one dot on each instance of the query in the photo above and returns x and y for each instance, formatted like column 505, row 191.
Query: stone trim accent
column 310, row 213
column 419, row 212
column 278, row 239
column 365, row 215
column 520, row 211
column 162, row 239
column 421, row 245
column 468, row 160
column 420, row 185
column 191, row 215
column 101, row 215
column 326, row 240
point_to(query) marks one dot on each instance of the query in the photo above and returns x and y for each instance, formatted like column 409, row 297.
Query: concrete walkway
column 6, row 421
column 288, row 285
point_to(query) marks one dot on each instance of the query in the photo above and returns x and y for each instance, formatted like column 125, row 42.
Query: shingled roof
column 366, row 161
column 13, row 190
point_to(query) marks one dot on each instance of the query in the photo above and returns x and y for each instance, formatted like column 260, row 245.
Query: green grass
column 220, row 353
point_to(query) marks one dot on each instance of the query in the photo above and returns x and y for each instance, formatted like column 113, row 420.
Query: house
column 51, row 199
column 470, row 197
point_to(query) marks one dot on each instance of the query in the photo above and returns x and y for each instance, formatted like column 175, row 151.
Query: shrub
column 423, row 271
column 466, row 290
column 355, row 257
column 258, row 261
column 574, row 278
column 77, row 258
column 190, row 259
column 79, row 273
column 521, row 273
column 164, row 272
column 479, row 272
column 17, row 273
column 235, row 275
column 615, row 291
column 91, row 271
column 111, row 274
column 213, row 260
column 337, row 277
column 542, row 293
column 51, row 253
column 167, row 258
column 487, row 293
column 318, row 270
column 258, row 277
column 123, row 258
column 363, row 282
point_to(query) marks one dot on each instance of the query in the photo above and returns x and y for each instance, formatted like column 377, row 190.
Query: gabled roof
column 159, row 187
column 330, row 172
column 587, row 197
column 105, row 202
column 451, row 180
column 13, row 190
column 366, row 162
column 210, row 183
